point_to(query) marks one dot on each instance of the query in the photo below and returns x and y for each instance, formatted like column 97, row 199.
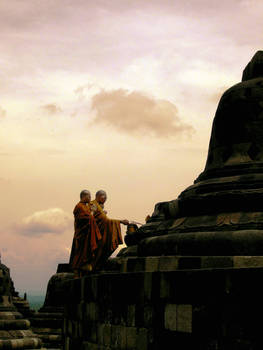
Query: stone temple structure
column 15, row 332
column 23, row 328
column 47, row 322
column 190, row 277
column 221, row 214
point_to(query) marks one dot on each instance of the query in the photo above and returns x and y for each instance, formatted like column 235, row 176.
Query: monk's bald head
column 85, row 196
column 101, row 196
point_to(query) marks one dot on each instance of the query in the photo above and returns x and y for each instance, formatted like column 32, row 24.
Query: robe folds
column 86, row 237
column 110, row 230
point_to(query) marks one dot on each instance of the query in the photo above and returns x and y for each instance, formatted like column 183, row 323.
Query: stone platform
column 208, row 308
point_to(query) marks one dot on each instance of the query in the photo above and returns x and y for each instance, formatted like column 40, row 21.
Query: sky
column 117, row 95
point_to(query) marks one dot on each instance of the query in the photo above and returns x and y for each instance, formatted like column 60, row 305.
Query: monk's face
column 86, row 198
column 102, row 198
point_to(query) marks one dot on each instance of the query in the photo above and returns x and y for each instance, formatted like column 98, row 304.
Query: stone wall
column 208, row 309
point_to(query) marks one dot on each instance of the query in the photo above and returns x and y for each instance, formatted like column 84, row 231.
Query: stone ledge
column 22, row 343
column 14, row 324
column 172, row 263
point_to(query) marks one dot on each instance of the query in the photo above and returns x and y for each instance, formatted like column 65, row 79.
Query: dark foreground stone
column 187, row 309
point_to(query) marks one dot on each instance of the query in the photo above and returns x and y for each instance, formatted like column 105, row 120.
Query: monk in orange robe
column 110, row 229
column 86, row 238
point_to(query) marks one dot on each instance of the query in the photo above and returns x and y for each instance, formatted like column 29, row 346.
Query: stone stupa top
column 254, row 68
column 236, row 143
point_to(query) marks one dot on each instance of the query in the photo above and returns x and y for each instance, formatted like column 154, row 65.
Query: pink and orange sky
column 107, row 94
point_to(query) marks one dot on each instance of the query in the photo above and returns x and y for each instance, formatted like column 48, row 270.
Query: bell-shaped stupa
column 222, row 212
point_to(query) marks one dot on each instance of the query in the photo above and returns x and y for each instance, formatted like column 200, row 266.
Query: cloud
column 53, row 221
column 51, row 108
column 2, row 112
column 138, row 114
column 81, row 91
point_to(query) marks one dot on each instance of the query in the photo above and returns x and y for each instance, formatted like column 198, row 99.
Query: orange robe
column 86, row 238
column 110, row 230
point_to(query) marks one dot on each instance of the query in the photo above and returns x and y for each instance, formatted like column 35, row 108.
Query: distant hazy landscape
column 35, row 301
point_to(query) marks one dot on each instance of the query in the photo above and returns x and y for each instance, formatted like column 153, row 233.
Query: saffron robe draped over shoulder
column 86, row 237
column 110, row 230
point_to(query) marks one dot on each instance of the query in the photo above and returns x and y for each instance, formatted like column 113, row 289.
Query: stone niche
column 190, row 277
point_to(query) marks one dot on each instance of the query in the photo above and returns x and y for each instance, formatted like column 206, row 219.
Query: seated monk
column 86, row 237
column 110, row 229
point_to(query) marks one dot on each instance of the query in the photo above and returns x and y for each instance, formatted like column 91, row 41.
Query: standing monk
column 110, row 229
column 86, row 238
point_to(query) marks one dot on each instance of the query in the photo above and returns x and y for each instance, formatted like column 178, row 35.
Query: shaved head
column 101, row 197
column 100, row 193
column 84, row 193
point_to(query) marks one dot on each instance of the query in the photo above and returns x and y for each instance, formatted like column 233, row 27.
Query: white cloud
column 53, row 221
column 137, row 114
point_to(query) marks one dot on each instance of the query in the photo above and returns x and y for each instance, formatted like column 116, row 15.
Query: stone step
column 14, row 324
column 17, row 334
column 46, row 330
column 10, row 315
column 50, row 338
column 22, row 343
column 46, row 323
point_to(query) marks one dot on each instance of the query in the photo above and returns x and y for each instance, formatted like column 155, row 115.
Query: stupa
column 190, row 277
column 15, row 332
column 221, row 214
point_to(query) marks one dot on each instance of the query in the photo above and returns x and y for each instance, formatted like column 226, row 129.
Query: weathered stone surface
column 173, row 262
column 107, row 334
column 171, row 317
column 184, row 318
column 131, row 315
column 22, row 305
column 15, row 332
column 47, row 323
column 214, row 243
column 118, row 337
column 131, row 336
column 142, row 339
column 202, row 308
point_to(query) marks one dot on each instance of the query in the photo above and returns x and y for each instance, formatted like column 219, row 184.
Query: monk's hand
column 93, row 207
column 125, row 222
